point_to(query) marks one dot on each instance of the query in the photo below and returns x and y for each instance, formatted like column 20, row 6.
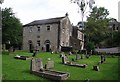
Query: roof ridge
column 44, row 21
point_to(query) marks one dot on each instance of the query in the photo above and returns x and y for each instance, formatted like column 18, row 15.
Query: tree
column 11, row 28
column 97, row 25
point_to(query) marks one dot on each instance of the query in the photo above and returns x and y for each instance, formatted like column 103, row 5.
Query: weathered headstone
column 70, row 53
column 64, row 59
column 49, row 65
column 62, row 54
column 99, row 62
column 96, row 68
column 82, row 56
column 77, row 56
column 34, row 53
column 88, row 55
column 102, row 59
column 36, row 64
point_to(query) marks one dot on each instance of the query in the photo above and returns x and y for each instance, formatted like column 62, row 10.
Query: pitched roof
column 45, row 21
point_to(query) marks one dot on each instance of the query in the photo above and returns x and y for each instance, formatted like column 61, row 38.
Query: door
column 47, row 47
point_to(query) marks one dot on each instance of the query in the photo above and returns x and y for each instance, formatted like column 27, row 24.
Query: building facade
column 77, row 38
column 114, row 25
column 47, row 34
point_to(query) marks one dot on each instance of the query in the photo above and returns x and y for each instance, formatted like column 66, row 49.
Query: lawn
column 13, row 69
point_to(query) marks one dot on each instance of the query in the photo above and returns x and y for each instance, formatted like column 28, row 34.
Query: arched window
column 47, row 42
column 30, row 42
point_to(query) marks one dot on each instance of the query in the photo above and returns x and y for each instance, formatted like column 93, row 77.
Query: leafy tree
column 113, row 39
column 90, row 46
column 116, row 38
column 97, row 25
column 11, row 28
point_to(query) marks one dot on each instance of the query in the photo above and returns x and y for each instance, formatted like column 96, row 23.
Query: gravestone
column 64, row 59
column 34, row 53
column 82, row 56
column 87, row 55
column 99, row 62
column 77, row 56
column 102, row 59
column 62, row 54
column 49, row 65
column 36, row 64
column 70, row 53
column 96, row 68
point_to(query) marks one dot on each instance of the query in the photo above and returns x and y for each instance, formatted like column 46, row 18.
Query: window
column 30, row 29
column 38, row 42
column 38, row 28
column 38, row 36
column 48, row 28
column 117, row 28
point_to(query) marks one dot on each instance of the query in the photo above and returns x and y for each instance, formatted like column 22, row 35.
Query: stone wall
column 32, row 33
column 65, row 33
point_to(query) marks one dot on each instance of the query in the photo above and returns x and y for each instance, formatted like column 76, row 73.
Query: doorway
column 47, row 47
column 47, row 43
column 30, row 46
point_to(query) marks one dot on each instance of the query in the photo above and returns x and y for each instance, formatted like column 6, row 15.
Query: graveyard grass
column 13, row 69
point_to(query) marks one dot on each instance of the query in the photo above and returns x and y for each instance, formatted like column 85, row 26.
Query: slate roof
column 45, row 21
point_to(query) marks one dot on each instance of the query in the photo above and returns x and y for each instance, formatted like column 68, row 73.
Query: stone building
column 114, row 25
column 77, row 38
column 47, row 34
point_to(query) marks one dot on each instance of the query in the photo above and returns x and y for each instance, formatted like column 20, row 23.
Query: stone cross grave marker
column 36, row 64
column 49, row 65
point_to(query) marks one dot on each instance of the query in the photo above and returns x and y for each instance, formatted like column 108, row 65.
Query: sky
column 30, row 10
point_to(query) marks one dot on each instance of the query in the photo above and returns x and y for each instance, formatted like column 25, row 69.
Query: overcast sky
column 30, row 10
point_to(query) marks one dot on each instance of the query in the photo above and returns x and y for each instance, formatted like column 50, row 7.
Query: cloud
column 30, row 10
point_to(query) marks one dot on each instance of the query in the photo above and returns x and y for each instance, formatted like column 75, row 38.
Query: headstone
column 88, row 55
column 64, row 59
column 11, row 49
column 36, row 64
column 96, row 68
column 62, row 54
column 99, row 62
column 70, row 53
column 82, row 56
column 52, row 52
column 102, row 59
column 49, row 65
column 77, row 56
column 34, row 53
